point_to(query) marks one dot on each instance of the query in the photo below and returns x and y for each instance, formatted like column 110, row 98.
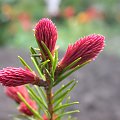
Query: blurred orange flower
column 7, row 10
column 69, row 12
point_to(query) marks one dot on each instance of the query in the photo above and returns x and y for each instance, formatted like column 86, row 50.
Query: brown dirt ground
column 98, row 90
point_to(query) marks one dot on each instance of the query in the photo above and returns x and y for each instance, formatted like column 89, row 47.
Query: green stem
column 50, row 105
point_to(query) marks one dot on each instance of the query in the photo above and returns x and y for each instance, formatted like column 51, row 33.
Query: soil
column 98, row 89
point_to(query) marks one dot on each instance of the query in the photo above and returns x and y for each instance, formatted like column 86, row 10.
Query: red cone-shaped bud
column 46, row 31
column 24, row 109
column 86, row 48
column 44, row 117
column 11, row 76
column 12, row 92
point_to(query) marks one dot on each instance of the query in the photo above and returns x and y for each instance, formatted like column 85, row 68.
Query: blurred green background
column 73, row 18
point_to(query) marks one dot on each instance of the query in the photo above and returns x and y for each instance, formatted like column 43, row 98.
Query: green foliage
column 39, row 99
column 23, row 117
column 63, row 76
column 61, row 99
column 36, row 114
column 24, row 63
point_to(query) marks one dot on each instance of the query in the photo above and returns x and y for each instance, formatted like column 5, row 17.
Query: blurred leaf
column 43, row 64
column 70, row 66
column 42, row 105
column 65, row 106
column 31, row 109
column 37, row 98
column 48, row 52
column 37, row 67
column 59, row 79
column 24, row 63
column 41, row 94
column 55, row 61
column 33, row 52
column 67, row 113
column 63, row 88
column 62, row 96
column 23, row 117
